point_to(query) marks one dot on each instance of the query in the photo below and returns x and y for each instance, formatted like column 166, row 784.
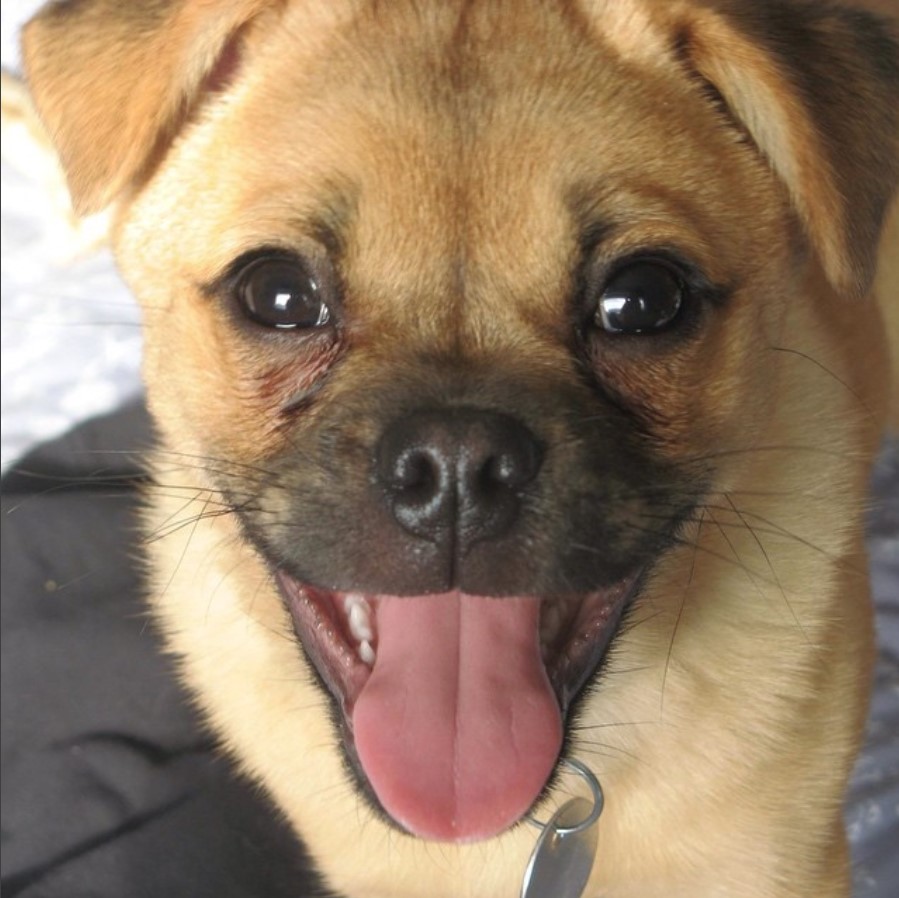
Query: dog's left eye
column 281, row 293
column 641, row 298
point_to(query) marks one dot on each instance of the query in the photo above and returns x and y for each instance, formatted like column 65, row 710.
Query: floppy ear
column 816, row 87
column 113, row 80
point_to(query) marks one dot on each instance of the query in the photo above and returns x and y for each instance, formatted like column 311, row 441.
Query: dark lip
column 569, row 675
column 341, row 672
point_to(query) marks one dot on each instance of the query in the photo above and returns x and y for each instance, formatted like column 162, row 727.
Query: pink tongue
column 457, row 728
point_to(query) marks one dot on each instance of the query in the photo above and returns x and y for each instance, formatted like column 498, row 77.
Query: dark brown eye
column 642, row 298
column 282, row 293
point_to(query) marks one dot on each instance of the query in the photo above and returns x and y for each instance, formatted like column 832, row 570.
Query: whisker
column 674, row 538
column 767, row 558
column 197, row 493
column 781, row 447
column 826, row 370
column 87, row 478
column 230, row 463
column 181, row 557
column 736, row 555
column 113, row 493
column 176, row 491
column 578, row 727
column 604, row 750
column 194, row 520
column 677, row 619
column 771, row 529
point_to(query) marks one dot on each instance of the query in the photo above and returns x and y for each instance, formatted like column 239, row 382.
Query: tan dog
column 518, row 391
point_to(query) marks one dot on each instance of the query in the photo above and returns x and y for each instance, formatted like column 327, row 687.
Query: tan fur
column 715, row 785
column 886, row 289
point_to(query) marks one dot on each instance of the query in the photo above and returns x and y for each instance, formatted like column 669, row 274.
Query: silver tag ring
column 598, row 800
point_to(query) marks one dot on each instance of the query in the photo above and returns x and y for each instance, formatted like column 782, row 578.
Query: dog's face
column 494, row 350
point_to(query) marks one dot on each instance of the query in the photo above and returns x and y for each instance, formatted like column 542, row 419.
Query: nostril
column 513, row 468
column 413, row 468
column 414, row 476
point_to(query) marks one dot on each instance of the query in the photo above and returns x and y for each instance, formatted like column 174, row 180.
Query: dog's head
column 473, row 318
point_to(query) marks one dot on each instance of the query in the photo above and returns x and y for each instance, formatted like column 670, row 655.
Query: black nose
column 455, row 476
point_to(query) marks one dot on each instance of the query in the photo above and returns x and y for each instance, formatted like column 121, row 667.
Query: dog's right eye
column 643, row 298
column 281, row 293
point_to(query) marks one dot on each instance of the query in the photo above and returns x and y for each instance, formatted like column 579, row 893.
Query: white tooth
column 360, row 622
column 351, row 599
column 366, row 652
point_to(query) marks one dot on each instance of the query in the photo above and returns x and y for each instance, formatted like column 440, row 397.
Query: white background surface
column 69, row 341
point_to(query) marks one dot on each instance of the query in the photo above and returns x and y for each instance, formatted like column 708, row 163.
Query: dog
column 518, row 375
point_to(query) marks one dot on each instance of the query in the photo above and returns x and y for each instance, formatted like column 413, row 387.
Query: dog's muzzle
column 455, row 572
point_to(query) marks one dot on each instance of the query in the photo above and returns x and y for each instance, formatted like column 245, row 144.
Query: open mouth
column 453, row 704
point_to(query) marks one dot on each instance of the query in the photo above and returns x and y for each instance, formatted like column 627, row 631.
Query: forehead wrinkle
column 503, row 92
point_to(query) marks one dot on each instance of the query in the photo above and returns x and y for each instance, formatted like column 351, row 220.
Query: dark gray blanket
column 111, row 789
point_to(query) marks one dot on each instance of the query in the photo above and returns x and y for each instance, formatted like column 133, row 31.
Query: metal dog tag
column 562, row 859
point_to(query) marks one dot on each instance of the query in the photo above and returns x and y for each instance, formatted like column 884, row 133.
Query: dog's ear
column 114, row 80
column 816, row 87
